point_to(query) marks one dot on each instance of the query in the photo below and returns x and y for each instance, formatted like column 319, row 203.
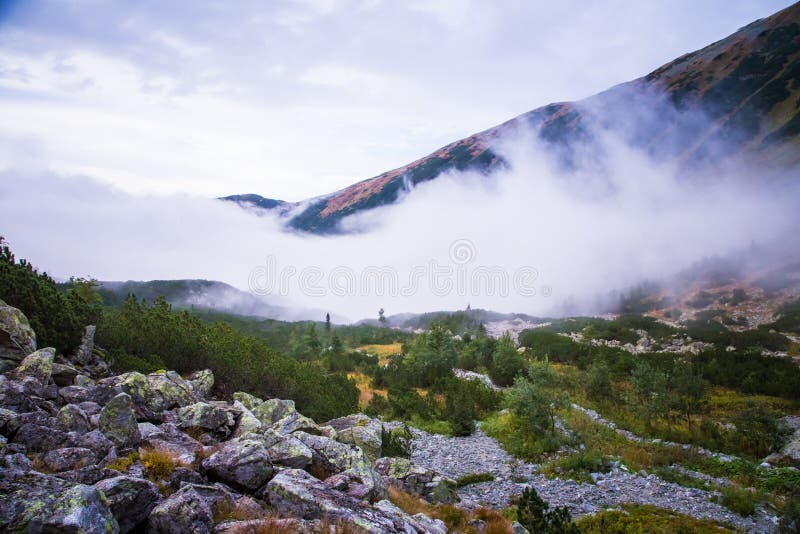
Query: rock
column 85, row 353
column 244, row 464
column 148, row 430
column 95, row 441
column 329, row 457
column 183, row 475
column 287, row 525
column 420, row 522
column 291, row 452
column 74, row 394
column 273, row 410
column 428, row 484
column 361, row 431
column 63, row 375
column 517, row 528
column 39, row 438
column 72, row 419
column 118, row 422
column 33, row 502
column 130, row 499
column 190, row 509
column 183, row 511
column 89, row 475
column 16, row 462
column 248, row 423
column 152, row 394
column 205, row 416
column 202, row 382
column 37, row 365
column 68, row 459
column 17, row 338
column 247, row 400
column 296, row 493
column 295, row 422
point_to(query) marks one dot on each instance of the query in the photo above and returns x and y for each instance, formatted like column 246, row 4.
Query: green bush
column 534, row 514
column 473, row 478
column 396, row 443
column 57, row 315
column 743, row 501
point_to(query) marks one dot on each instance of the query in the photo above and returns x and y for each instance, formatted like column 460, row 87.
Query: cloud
column 532, row 238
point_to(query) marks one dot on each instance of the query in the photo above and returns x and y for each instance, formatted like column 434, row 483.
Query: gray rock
column 206, row 416
column 63, row 375
column 85, row 353
column 72, row 419
column 202, row 382
column 39, row 438
column 361, row 431
column 118, row 422
column 296, row 493
column 244, row 464
column 427, row 483
column 68, row 459
column 248, row 423
column 291, row 452
column 190, row 509
column 17, row 338
column 130, row 499
column 37, row 365
column 33, row 502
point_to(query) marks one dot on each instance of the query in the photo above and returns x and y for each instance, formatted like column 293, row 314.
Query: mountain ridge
column 737, row 96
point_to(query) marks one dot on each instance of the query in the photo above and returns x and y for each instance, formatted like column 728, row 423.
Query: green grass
column 431, row 426
column 578, row 466
column 515, row 439
column 474, row 478
column 636, row 519
column 743, row 501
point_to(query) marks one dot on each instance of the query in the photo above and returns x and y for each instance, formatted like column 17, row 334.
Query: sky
column 300, row 98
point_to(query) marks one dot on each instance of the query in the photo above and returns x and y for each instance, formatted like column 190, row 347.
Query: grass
column 456, row 519
column 670, row 474
column 366, row 391
column 383, row 351
column 473, row 478
column 123, row 463
column 643, row 518
column 510, row 432
column 159, row 464
column 432, row 426
column 578, row 466
column 743, row 501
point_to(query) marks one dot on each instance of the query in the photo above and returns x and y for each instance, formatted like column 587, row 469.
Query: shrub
column 645, row 518
column 396, row 443
column 534, row 514
column 474, row 478
column 159, row 464
column 743, row 501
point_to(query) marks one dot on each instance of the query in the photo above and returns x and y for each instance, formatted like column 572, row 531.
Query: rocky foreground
column 81, row 451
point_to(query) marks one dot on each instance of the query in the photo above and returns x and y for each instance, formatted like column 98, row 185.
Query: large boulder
column 206, row 416
column 360, row 430
column 291, row 452
column 426, row 483
column 202, row 382
column 37, row 365
column 40, row 438
column 68, row 459
column 63, row 374
column 17, row 338
column 85, row 353
column 191, row 509
column 244, row 464
column 330, row 457
column 152, row 394
column 130, row 499
column 71, row 418
column 296, row 493
column 118, row 422
column 33, row 502
column 248, row 423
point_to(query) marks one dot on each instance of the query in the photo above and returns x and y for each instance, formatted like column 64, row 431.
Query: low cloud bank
column 532, row 238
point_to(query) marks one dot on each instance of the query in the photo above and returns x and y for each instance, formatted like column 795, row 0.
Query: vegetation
column 642, row 518
column 473, row 478
column 56, row 315
column 535, row 514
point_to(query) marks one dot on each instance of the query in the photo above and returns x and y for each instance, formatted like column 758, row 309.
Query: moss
column 644, row 518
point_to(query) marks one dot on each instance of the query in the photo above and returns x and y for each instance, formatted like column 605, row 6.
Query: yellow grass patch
column 383, row 351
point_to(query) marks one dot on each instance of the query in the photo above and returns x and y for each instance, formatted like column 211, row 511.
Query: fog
column 530, row 238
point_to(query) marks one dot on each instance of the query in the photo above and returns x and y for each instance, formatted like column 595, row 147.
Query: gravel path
column 479, row 453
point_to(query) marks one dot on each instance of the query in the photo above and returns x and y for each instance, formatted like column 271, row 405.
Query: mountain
column 202, row 294
column 739, row 96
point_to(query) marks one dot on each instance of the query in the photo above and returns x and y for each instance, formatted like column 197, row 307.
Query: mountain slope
column 738, row 96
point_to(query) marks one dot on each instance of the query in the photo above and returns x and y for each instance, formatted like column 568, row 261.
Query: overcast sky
column 296, row 99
